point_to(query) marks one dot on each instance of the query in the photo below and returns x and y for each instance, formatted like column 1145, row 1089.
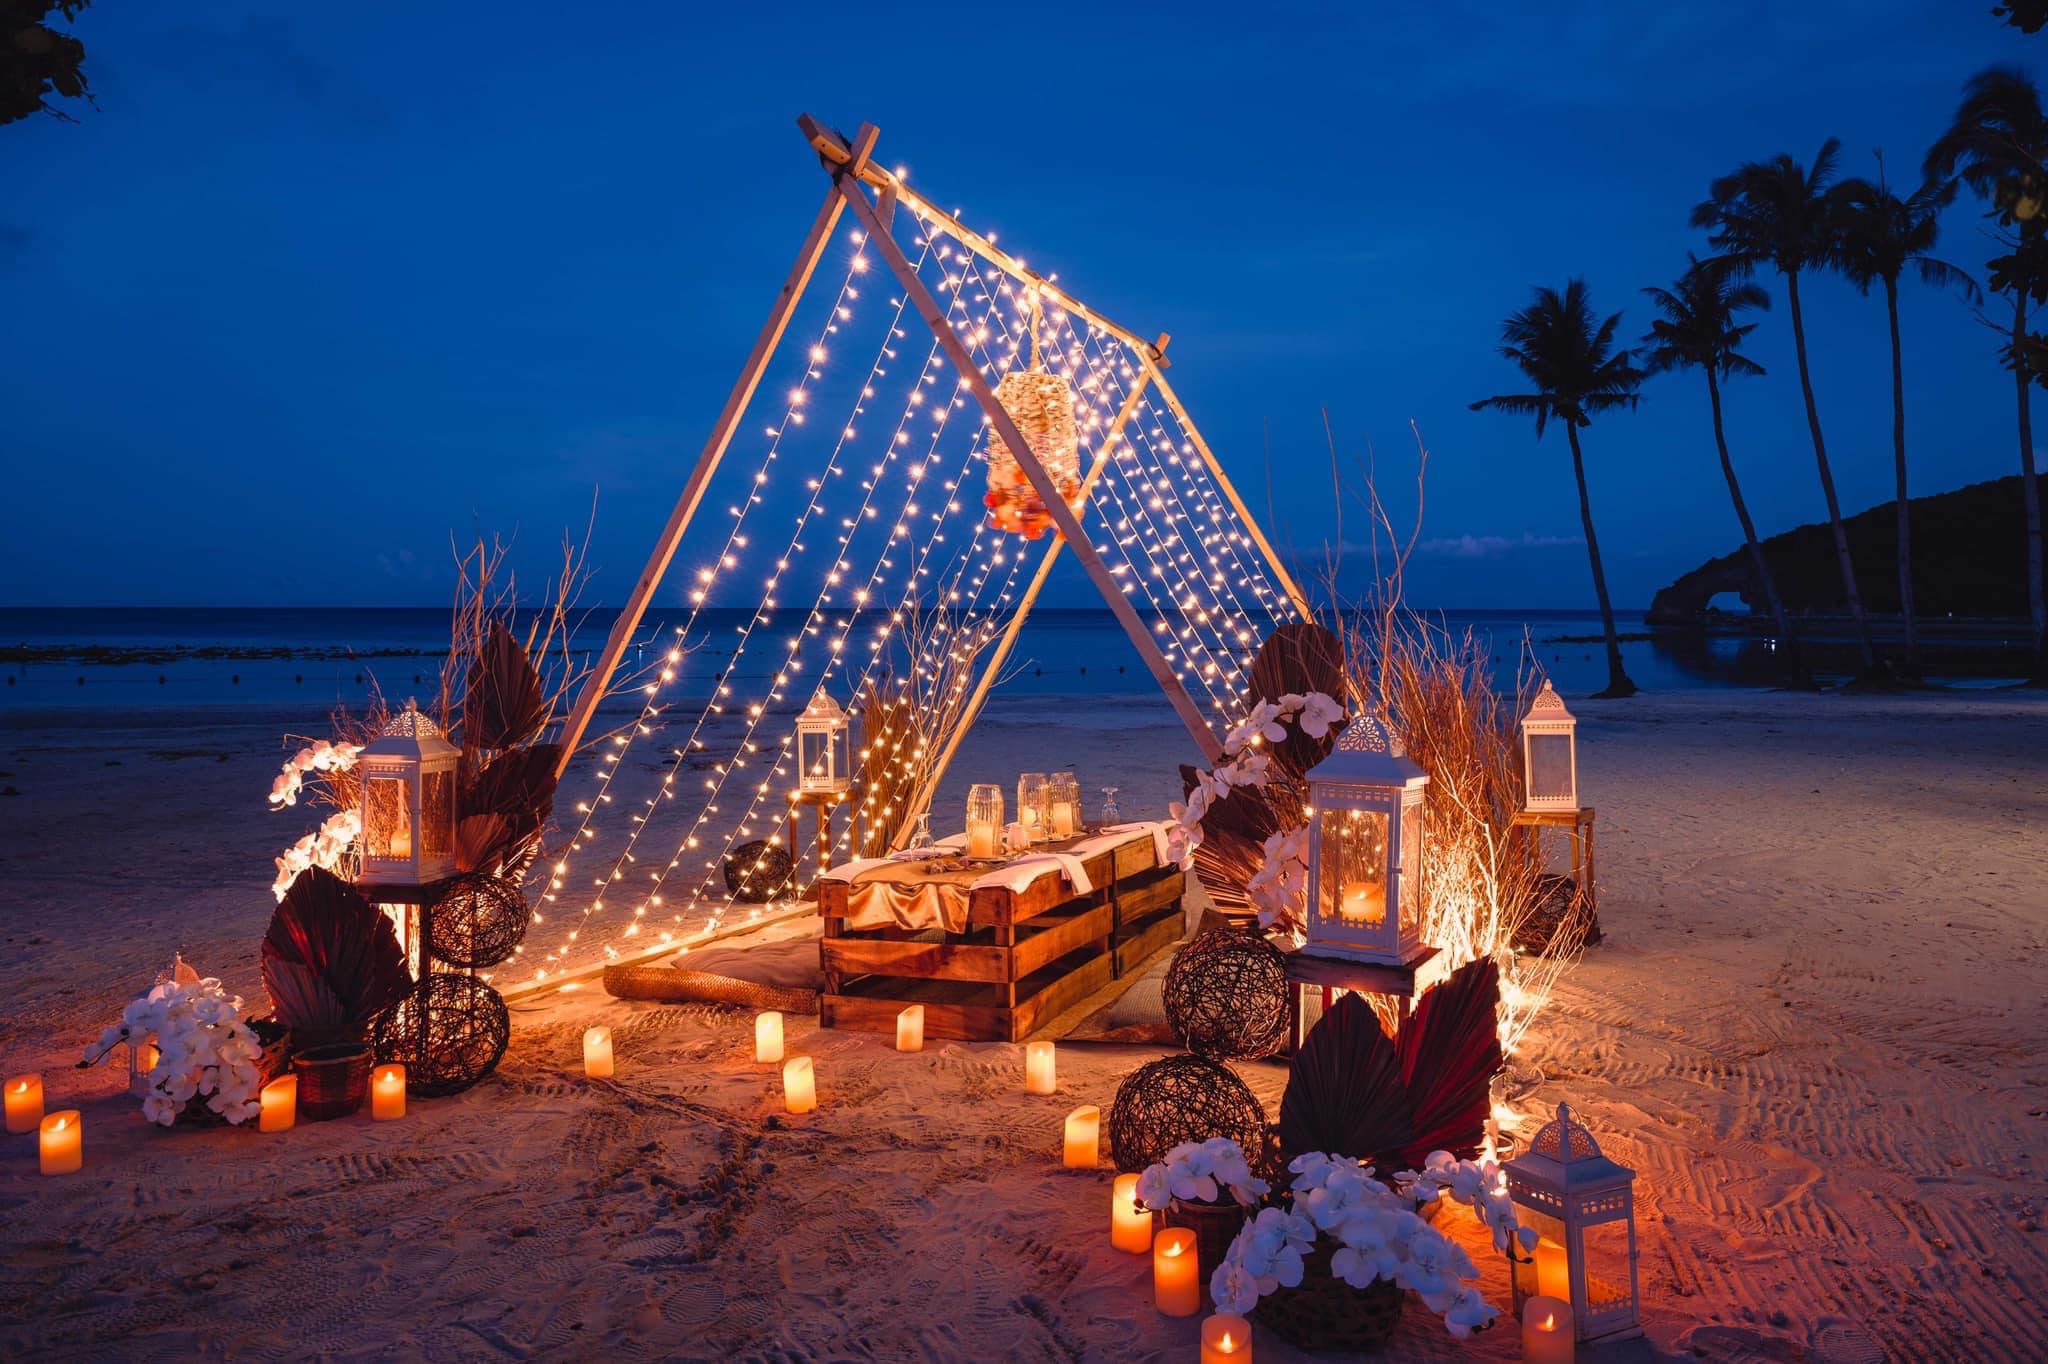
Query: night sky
column 311, row 290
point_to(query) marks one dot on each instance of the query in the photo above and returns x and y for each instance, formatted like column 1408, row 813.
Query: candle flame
column 61, row 1124
column 1228, row 1344
column 1549, row 1322
column 1173, row 1246
column 21, row 1086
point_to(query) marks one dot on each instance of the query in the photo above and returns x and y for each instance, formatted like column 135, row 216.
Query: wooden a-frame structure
column 855, row 177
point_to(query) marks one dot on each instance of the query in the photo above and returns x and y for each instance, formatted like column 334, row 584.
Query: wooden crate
column 1024, row 957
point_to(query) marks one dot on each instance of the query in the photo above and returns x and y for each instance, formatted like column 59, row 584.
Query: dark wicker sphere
column 757, row 872
column 446, row 1045
column 1181, row 1098
column 1226, row 995
column 478, row 921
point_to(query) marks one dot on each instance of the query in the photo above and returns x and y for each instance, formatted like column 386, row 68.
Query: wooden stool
column 824, row 802
column 1579, row 825
column 1402, row 983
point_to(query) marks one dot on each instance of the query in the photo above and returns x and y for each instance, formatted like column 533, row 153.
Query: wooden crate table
column 992, row 949
column 1313, row 982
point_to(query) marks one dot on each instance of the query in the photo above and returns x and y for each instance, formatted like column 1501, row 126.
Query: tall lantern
column 1582, row 1207
column 408, row 802
column 1550, row 755
column 823, row 746
column 1365, row 849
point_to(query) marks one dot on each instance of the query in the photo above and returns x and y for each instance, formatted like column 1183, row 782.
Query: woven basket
column 333, row 1080
column 1215, row 1226
column 1327, row 1314
column 678, row 986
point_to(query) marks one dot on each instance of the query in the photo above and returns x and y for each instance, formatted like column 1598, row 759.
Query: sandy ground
column 1814, row 1029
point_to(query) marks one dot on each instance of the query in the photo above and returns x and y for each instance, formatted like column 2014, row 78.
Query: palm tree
column 1698, row 330
column 1997, row 143
column 1779, row 213
column 1576, row 372
column 1882, row 234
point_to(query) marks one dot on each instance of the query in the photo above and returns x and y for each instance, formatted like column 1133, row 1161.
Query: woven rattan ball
column 757, row 872
column 1181, row 1098
column 1226, row 995
column 478, row 921
column 449, row 1040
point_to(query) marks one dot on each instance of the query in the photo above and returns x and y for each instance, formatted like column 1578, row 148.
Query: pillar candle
column 1176, row 1273
column 981, row 838
column 24, row 1102
column 1130, row 1226
column 597, row 1053
column 1062, row 819
column 62, row 1143
column 1084, row 1125
column 1039, row 1075
column 1553, row 1274
column 799, row 1085
column 768, row 1037
column 1226, row 1340
column 910, row 1029
column 387, row 1093
column 1363, row 902
column 1547, row 1331
column 280, row 1100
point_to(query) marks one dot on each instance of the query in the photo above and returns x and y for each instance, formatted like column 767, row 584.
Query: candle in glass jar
column 910, row 1029
column 1062, row 819
column 597, row 1053
column 24, row 1102
column 1553, row 1274
column 1040, row 1077
column 280, row 1100
column 387, row 1093
column 1363, row 902
column 981, row 838
column 1083, row 1137
column 1547, row 1331
column 62, row 1143
column 799, row 1085
column 1176, row 1273
column 1130, row 1226
column 1226, row 1340
column 768, row 1037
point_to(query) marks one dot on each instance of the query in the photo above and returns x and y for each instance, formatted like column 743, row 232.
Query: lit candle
column 1016, row 836
column 280, row 1099
column 1226, row 1340
column 387, row 1093
column 62, row 1143
column 1084, row 1125
column 1363, row 902
column 597, row 1053
column 981, row 837
column 768, row 1037
column 1547, row 1331
column 1062, row 819
column 910, row 1029
column 24, row 1103
column 1039, row 1075
column 1030, row 820
column 799, row 1085
column 1553, row 1274
column 1130, row 1226
column 1176, row 1286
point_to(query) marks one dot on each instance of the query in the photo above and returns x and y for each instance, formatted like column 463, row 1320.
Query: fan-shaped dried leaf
column 1344, row 1094
column 503, row 705
column 324, row 925
column 519, row 785
column 1302, row 657
column 481, row 841
column 1450, row 1052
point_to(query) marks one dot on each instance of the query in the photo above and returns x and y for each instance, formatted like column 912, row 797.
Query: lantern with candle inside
column 1062, row 805
column 824, row 746
column 984, row 820
column 1081, row 1148
column 24, row 1102
column 1582, row 1207
column 1550, row 754
column 1031, row 805
column 406, row 777
column 60, row 1143
column 1365, row 848
column 597, row 1053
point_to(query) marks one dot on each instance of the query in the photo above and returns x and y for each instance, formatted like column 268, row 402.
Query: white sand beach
column 1814, row 1029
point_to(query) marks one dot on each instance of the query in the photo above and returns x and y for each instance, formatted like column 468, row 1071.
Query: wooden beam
column 595, row 686
column 930, row 786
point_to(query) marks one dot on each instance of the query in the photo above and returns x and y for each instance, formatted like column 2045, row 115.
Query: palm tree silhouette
column 1577, row 372
column 1997, row 143
column 1698, row 330
column 1881, row 235
column 1779, row 213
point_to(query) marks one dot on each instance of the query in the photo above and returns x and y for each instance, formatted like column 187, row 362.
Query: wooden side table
column 1327, row 975
column 1578, row 824
column 824, row 802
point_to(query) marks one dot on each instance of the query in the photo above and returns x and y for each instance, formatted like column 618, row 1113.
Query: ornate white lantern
column 1582, row 1207
column 823, row 746
column 1365, row 849
column 408, row 802
column 1550, row 755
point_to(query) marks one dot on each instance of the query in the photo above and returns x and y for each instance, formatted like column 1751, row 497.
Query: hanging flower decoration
column 204, row 1050
column 320, row 756
column 325, row 849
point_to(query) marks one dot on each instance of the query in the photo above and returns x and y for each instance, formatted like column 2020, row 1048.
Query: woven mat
column 675, row 985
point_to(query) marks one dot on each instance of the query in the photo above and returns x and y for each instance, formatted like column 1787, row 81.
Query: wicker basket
column 333, row 1080
column 1215, row 1226
column 1327, row 1314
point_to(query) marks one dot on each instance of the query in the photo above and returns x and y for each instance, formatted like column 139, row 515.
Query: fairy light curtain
column 853, row 498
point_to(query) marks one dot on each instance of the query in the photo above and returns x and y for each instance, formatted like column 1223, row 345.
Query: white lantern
column 1582, row 1208
column 1365, row 849
column 823, row 746
column 1550, row 755
column 408, row 803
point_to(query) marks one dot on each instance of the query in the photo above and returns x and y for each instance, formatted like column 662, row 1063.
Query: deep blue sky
column 311, row 289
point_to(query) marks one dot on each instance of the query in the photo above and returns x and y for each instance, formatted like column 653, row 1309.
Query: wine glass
column 1110, row 814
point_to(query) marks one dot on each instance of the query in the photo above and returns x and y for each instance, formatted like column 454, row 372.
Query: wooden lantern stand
column 824, row 802
column 1403, row 984
column 1578, row 826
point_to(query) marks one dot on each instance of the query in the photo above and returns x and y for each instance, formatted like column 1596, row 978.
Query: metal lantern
column 1042, row 406
column 1582, row 1208
column 823, row 746
column 1550, row 755
column 408, row 803
column 1365, row 848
